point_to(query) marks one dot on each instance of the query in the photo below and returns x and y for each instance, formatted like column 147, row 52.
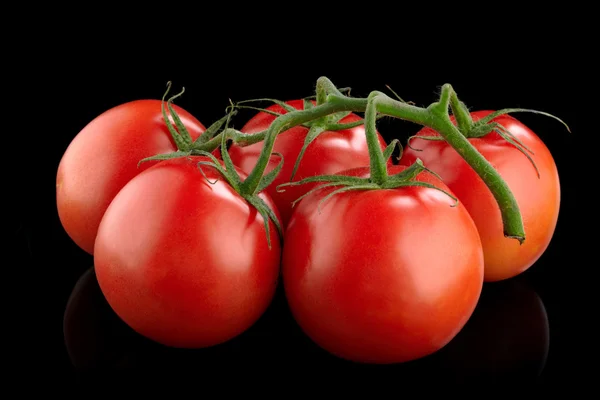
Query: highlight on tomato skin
column 329, row 153
column 382, row 276
column 538, row 197
column 184, row 261
column 104, row 156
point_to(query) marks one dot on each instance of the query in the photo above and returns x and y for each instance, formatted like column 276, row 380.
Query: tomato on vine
column 527, row 167
column 186, row 255
column 382, row 276
column 380, row 264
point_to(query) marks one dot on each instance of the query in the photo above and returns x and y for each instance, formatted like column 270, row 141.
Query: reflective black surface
column 506, row 340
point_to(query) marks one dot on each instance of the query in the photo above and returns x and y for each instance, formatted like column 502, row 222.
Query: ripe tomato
column 382, row 276
column 538, row 198
column 104, row 156
column 183, row 261
column 329, row 153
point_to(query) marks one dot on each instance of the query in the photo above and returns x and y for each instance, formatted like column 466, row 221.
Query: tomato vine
column 332, row 105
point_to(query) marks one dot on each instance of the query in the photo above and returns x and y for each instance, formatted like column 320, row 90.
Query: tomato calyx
column 486, row 125
column 342, row 183
column 470, row 129
column 250, row 194
column 211, row 139
column 180, row 134
column 378, row 177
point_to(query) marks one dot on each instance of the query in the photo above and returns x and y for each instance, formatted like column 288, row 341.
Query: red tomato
column 185, row 262
column 104, row 156
column 538, row 198
column 329, row 153
column 382, row 276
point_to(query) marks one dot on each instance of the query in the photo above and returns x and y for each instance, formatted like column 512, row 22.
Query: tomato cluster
column 188, row 251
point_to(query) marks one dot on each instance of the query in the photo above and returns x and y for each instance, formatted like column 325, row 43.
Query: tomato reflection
column 506, row 340
column 96, row 338
column 94, row 334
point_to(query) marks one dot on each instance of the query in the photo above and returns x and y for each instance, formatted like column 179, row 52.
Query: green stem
column 321, row 93
column 245, row 139
column 378, row 163
column 435, row 116
column 460, row 112
column 280, row 124
column 511, row 217
column 347, row 103
column 241, row 139
column 325, row 87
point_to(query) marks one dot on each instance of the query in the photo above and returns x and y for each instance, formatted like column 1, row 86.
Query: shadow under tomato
column 506, row 340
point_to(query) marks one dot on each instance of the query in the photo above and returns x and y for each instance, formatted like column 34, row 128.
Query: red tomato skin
column 329, row 153
column 185, row 262
column 382, row 276
column 104, row 156
column 538, row 199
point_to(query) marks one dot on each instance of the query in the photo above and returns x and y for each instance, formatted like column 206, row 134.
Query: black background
column 527, row 329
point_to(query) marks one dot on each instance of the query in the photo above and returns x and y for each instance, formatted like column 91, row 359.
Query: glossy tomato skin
column 538, row 198
column 185, row 262
column 329, row 153
column 382, row 276
column 104, row 156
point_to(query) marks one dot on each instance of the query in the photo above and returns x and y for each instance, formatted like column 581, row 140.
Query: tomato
column 104, row 156
column 382, row 276
column 538, row 198
column 329, row 153
column 183, row 261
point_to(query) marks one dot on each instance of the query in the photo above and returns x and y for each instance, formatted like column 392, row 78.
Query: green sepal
column 495, row 114
column 312, row 134
column 183, row 132
column 389, row 150
column 166, row 156
column 212, row 130
column 270, row 177
column 267, row 213
column 228, row 163
column 177, row 138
